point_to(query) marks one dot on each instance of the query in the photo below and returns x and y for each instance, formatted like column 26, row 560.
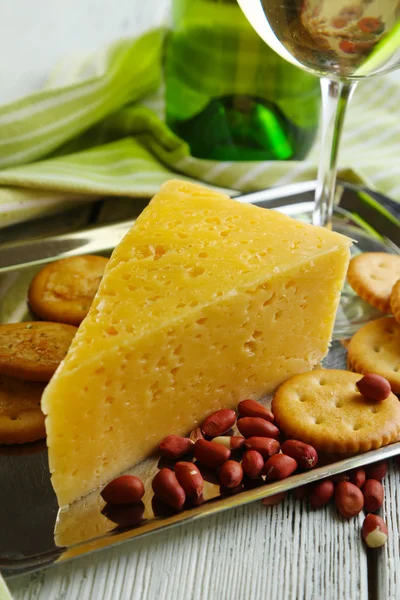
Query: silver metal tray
column 33, row 533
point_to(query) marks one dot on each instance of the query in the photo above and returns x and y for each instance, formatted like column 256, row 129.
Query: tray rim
column 267, row 198
column 15, row 567
column 19, row 566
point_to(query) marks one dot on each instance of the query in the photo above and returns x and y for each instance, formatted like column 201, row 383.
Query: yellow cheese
column 205, row 302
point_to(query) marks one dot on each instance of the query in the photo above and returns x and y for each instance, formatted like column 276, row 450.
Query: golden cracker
column 372, row 276
column 325, row 409
column 21, row 419
column 395, row 301
column 375, row 348
column 33, row 350
column 63, row 290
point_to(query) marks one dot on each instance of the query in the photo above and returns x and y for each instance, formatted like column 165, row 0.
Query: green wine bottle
column 228, row 95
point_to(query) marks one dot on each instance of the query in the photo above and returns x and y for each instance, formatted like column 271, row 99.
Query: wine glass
column 341, row 41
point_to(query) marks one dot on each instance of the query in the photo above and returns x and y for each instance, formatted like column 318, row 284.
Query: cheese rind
column 205, row 302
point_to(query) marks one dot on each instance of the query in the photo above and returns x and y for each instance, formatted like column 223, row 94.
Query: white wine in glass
column 341, row 41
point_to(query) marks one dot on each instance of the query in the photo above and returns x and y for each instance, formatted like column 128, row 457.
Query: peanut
column 358, row 477
column 279, row 466
column 373, row 495
column 374, row 531
column 124, row 515
column 210, row 453
column 219, row 422
column 253, row 464
column 251, row 408
column 233, row 442
column 175, row 446
column 168, row 489
column 126, row 489
column 377, row 470
column 322, row 493
column 231, row 474
column 190, row 479
column 274, row 500
column 305, row 455
column 255, row 426
column 349, row 499
column 374, row 387
column 265, row 446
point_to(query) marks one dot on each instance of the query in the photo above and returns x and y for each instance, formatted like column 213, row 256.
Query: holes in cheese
column 205, row 302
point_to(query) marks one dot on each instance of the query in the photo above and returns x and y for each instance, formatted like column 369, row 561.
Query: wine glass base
column 353, row 312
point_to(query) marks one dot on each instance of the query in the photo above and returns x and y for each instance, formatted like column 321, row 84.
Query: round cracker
column 395, row 301
column 21, row 419
column 325, row 409
column 34, row 350
column 375, row 348
column 372, row 276
column 63, row 291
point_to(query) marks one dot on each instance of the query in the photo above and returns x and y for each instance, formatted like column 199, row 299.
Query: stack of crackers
column 29, row 355
column 61, row 294
column 375, row 348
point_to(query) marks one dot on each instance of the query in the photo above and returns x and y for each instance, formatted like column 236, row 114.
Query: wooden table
column 278, row 553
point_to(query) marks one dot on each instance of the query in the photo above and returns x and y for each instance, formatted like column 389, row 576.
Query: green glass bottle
column 228, row 95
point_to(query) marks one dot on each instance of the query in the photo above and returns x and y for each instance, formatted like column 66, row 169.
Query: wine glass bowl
column 342, row 39
column 342, row 42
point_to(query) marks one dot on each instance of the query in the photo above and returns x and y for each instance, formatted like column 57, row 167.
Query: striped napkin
column 97, row 129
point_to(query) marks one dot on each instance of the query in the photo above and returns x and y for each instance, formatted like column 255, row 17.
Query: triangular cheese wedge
column 205, row 302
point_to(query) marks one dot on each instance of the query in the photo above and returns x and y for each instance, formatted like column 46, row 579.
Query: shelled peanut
column 238, row 461
column 352, row 492
column 353, row 489
column 213, row 452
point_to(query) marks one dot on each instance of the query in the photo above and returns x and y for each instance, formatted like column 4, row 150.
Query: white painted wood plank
column 255, row 552
column 388, row 558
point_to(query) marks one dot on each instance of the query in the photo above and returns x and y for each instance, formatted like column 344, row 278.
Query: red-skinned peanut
column 231, row 474
column 168, row 489
column 252, row 408
column 265, row 446
column 175, row 446
column 126, row 489
column 279, row 466
column 211, row 454
column 373, row 495
column 322, row 493
column 253, row 464
column 305, row 455
column 374, row 531
column 375, row 387
column 255, row 426
column 349, row 499
column 190, row 479
column 377, row 470
column 218, row 422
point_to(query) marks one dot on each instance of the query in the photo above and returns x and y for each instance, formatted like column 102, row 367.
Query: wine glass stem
column 335, row 98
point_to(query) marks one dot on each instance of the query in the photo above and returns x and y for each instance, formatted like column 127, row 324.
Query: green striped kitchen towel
column 97, row 129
